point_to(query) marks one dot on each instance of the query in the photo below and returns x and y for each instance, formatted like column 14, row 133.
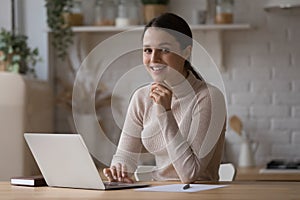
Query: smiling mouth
column 157, row 68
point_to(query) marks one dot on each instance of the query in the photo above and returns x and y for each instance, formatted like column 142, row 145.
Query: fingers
column 154, row 96
column 107, row 173
column 125, row 176
column 128, row 180
column 117, row 173
column 158, row 92
column 124, row 171
column 161, row 95
column 113, row 170
column 158, row 88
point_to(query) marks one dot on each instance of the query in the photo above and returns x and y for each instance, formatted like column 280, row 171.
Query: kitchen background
column 261, row 76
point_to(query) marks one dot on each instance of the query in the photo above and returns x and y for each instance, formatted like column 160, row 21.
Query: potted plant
column 62, row 38
column 15, row 54
column 153, row 8
column 61, row 31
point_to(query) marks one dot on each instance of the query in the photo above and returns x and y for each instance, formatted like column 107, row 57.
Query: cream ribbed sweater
column 187, row 141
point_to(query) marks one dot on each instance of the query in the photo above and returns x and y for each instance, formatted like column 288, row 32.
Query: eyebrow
column 161, row 44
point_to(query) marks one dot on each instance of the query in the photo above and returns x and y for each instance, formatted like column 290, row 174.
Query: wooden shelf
column 221, row 27
column 209, row 27
column 213, row 40
column 87, row 29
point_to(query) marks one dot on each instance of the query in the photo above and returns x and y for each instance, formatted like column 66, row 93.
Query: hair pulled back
column 177, row 27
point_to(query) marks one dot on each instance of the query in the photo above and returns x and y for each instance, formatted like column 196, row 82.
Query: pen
column 186, row 186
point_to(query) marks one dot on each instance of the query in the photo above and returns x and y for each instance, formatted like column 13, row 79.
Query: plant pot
column 3, row 64
column 7, row 65
column 153, row 10
column 2, row 67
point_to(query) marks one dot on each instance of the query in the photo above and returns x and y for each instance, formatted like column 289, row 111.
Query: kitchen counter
column 253, row 174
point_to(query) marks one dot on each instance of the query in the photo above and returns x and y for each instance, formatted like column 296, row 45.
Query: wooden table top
column 235, row 190
column 253, row 174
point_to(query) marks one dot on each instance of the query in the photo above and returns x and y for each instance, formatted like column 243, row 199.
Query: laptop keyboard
column 109, row 184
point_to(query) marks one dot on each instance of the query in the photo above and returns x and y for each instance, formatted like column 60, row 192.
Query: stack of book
column 33, row 181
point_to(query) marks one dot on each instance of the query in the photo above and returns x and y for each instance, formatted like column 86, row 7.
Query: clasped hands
column 161, row 95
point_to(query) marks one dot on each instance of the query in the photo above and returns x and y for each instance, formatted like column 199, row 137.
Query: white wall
column 5, row 14
column 31, row 21
column 34, row 25
column 263, row 78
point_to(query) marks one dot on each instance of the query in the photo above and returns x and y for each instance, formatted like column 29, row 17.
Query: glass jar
column 224, row 11
column 99, row 13
column 105, row 13
column 75, row 17
column 210, row 11
column 123, row 14
column 134, row 12
column 110, row 12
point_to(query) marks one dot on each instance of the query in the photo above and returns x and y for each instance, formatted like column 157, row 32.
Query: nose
column 156, row 55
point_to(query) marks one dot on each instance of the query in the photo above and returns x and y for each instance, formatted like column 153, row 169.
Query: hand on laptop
column 117, row 173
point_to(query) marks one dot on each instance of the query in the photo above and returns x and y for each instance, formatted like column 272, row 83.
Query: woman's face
column 162, row 55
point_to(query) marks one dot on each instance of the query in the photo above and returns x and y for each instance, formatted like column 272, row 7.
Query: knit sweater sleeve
column 130, row 144
column 191, row 152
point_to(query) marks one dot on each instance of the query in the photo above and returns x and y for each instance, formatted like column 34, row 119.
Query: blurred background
column 255, row 44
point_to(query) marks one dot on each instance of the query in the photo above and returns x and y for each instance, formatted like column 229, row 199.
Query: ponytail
column 188, row 67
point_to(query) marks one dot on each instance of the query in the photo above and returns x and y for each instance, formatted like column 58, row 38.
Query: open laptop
column 65, row 161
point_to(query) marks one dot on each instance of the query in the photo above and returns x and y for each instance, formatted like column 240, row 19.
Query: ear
column 186, row 53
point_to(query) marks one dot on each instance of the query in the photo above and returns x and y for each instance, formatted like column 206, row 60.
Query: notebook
column 64, row 161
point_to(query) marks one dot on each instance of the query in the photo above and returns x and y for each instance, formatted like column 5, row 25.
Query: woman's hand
column 161, row 95
column 117, row 173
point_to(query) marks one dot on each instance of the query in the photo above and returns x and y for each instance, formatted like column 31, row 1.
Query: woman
column 175, row 115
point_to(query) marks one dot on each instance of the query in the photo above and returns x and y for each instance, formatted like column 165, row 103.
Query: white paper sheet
column 179, row 188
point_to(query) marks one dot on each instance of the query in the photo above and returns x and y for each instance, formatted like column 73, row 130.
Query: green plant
column 62, row 38
column 15, row 54
column 164, row 2
column 62, row 33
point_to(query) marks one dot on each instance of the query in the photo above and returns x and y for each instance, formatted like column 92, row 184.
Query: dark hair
column 177, row 27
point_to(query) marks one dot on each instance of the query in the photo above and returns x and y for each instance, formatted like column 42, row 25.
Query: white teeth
column 157, row 68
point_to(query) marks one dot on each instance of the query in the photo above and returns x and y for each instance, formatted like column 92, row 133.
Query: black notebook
column 28, row 181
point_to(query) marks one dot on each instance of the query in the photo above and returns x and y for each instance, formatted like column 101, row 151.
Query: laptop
column 64, row 161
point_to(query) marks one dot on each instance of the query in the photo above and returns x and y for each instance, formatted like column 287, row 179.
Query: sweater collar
column 185, row 87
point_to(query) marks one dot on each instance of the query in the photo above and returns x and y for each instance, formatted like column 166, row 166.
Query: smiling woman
column 161, row 50
column 179, row 118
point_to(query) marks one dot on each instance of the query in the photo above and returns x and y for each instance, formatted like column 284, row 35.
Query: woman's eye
column 147, row 50
column 165, row 50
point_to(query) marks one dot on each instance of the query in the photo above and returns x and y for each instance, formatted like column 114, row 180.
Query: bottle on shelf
column 105, row 13
column 224, row 11
column 110, row 12
column 134, row 12
column 75, row 18
column 99, row 13
column 210, row 11
column 123, row 14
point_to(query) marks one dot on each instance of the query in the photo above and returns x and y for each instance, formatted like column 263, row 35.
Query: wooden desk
column 235, row 190
column 252, row 174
